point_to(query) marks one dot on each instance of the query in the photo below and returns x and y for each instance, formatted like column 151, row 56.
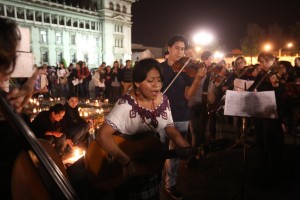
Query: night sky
column 155, row 21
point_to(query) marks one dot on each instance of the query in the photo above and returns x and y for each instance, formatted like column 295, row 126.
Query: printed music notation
column 251, row 104
column 242, row 85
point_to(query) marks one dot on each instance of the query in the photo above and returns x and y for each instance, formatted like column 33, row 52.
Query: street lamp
column 203, row 38
column 267, row 47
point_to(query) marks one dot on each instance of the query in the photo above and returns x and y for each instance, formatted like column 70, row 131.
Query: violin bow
column 185, row 64
column 268, row 73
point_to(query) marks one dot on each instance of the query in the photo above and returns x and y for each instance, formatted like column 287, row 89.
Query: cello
column 38, row 172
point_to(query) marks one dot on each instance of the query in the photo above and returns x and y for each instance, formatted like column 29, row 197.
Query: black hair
column 72, row 94
column 266, row 55
column 141, row 69
column 239, row 58
column 57, row 108
column 177, row 38
column 10, row 37
column 79, row 63
column 287, row 64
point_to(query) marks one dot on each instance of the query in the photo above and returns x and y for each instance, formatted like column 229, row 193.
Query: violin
column 215, row 73
column 248, row 72
column 190, row 68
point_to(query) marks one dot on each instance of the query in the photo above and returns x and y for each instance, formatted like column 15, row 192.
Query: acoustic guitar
column 104, row 172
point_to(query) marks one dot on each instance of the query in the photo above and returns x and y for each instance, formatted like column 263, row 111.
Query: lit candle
column 40, row 110
column 30, row 100
column 58, row 99
column 80, row 114
column 51, row 99
column 85, row 114
column 106, row 101
column 37, row 103
column 34, row 110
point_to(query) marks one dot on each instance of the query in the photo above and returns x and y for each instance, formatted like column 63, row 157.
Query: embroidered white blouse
column 127, row 116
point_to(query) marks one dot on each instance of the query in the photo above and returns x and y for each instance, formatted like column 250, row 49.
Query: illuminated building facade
column 97, row 31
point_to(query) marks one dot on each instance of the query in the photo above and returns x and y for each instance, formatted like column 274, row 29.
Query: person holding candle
column 144, row 109
column 76, row 128
column 48, row 125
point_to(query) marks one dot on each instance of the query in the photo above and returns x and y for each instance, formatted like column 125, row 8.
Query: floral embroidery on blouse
column 111, row 124
column 148, row 114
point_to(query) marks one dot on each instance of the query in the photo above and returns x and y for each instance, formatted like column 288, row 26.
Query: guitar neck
column 184, row 152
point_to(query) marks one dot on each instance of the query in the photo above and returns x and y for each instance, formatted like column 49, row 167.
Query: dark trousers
column 78, row 134
column 269, row 141
column 199, row 117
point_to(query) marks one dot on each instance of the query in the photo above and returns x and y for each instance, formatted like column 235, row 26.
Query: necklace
column 152, row 117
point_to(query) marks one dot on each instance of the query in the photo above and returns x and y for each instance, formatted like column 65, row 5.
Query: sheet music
column 239, row 84
column 251, row 104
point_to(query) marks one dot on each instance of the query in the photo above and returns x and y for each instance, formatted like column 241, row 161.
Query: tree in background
column 251, row 44
column 295, row 32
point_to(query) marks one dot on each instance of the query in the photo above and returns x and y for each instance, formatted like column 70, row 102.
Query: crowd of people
column 151, row 99
column 107, row 82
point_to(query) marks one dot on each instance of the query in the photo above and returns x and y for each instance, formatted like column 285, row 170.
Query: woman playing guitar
column 143, row 109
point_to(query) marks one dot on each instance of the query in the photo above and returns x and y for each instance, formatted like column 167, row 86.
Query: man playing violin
column 198, row 106
column 179, row 93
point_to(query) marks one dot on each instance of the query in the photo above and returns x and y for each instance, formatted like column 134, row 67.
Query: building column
column 5, row 12
column 15, row 11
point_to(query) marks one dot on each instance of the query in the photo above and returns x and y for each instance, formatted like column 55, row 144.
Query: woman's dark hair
column 239, row 58
column 57, row 108
column 177, row 38
column 266, row 55
column 287, row 64
column 141, row 69
column 10, row 37
column 79, row 63
column 72, row 94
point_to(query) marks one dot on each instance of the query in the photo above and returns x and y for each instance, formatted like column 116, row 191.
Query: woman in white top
column 99, row 81
column 62, row 74
column 142, row 109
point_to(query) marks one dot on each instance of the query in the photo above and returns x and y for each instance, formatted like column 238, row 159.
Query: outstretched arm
column 18, row 97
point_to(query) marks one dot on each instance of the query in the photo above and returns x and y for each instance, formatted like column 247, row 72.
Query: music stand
column 249, row 104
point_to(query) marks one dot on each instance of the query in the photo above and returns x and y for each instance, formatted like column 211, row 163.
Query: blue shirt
column 175, row 93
